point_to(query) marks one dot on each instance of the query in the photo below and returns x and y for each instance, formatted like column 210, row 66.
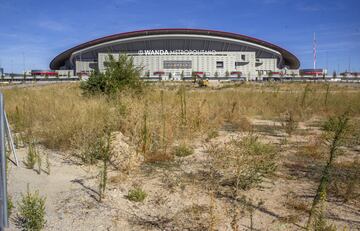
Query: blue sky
column 32, row 32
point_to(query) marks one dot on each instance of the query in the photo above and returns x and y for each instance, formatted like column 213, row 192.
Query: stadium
column 182, row 53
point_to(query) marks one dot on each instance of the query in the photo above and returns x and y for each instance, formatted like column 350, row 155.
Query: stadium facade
column 181, row 53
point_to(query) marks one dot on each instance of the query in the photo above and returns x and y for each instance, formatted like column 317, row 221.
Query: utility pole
column 314, row 50
column 350, row 64
column 23, row 57
column 327, row 61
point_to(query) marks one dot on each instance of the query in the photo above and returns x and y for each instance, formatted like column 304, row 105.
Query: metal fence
column 5, row 131
column 3, row 181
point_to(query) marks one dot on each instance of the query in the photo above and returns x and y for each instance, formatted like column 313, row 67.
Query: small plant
column 289, row 124
column 105, row 157
column 31, row 212
column 346, row 181
column 243, row 163
column 32, row 156
column 137, row 195
column 327, row 94
column 10, row 205
column 182, row 95
column 183, row 150
column 38, row 161
column 211, row 135
column 92, row 152
column 145, row 134
column 335, row 130
column 304, row 95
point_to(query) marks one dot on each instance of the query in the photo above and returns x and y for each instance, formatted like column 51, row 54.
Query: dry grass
column 59, row 117
column 314, row 149
column 160, row 129
column 243, row 163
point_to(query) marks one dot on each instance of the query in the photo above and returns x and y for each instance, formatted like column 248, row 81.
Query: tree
column 334, row 74
column 170, row 75
column 120, row 74
column 216, row 74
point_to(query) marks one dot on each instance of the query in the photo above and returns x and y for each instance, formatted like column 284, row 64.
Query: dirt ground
column 178, row 196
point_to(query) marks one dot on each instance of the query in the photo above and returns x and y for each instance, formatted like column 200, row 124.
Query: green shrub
column 106, row 157
column 31, row 212
column 243, row 164
column 32, row 156
column 120, row 74
column 335, row 131
column 183, row 150
column 137, row 195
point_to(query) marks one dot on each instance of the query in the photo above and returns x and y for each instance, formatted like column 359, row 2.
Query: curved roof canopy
column 288, row 59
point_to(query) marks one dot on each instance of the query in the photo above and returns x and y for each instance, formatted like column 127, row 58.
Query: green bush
column 137, row 195
column 32, row 156
column 31, row 212
column 183, row 150
column 243, row 163
column 119, row 75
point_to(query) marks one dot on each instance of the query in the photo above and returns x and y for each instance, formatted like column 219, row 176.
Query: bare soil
column 178, row 196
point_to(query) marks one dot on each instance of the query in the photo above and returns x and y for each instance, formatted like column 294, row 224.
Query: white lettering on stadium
column 176, row 52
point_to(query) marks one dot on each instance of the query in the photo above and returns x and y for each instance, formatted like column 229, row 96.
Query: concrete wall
column 66, row 73
column 243, row 62
column 175, row 64
column 85, row 66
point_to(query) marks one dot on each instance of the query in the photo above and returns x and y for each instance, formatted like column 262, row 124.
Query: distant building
column 177, row 53
column 1, row 72
column 313, row 72
column 350, row 74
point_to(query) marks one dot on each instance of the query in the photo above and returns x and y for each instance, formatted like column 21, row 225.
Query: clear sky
column 32, row 32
